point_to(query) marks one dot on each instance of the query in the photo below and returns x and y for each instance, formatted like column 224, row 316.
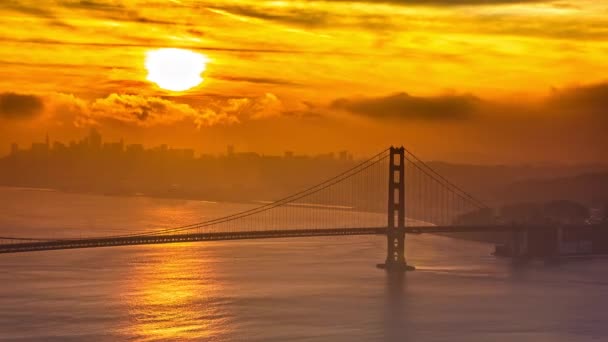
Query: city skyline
column 94, row 142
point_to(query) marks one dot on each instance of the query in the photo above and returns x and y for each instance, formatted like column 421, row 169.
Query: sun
column 175, row 69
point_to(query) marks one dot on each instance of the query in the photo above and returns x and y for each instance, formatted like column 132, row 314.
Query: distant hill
column 591, row 188
column 499, row 184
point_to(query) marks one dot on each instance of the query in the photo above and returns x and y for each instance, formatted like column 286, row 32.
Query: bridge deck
column 239, row 235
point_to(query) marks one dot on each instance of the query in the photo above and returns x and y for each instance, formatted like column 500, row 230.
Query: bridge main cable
column 285, row 201
column 443, row 181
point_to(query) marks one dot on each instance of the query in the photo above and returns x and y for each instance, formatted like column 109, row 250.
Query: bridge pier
column 395, row 233
column 395, row 256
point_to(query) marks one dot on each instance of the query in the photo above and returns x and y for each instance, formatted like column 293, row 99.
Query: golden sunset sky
column 496, row 81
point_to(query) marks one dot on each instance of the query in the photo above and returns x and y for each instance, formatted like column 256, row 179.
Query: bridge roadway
column 47, row 245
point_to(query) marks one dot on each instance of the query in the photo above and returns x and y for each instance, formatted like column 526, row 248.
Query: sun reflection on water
column 171, row 295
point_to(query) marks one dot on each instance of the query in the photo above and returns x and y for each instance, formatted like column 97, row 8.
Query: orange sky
column 494, row 81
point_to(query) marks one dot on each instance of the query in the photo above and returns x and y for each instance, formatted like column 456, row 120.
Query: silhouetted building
column 115, row 148
column 14, row 149
column 133, row 149
column 94, row 139
column 59, row 147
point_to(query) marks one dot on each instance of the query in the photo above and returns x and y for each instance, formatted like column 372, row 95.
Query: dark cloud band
column 16, row 106
column 405, row 106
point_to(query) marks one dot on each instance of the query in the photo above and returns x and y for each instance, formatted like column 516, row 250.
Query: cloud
column 258, row 80
column 404, row 106
column 307, row 17
column 579, row 107
column 312, row 16
column 152, row 44
column 93, row 5
column 138, row 110
column 18, row 6
column 488, row 17
column 290, row 15
column 17, row 106
column 113, row 11
column 150, row 111
column 34, row 11
column 592, row 99
column 449, row 2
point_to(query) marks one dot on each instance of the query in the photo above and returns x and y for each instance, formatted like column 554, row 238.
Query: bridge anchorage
column 395, row 233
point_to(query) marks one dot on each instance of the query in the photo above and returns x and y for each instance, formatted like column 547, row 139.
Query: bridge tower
column 395, row 234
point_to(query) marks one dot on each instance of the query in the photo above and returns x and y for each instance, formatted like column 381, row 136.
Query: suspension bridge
column 393, row 193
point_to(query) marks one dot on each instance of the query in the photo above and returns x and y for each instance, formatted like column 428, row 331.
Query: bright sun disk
column 175, row 69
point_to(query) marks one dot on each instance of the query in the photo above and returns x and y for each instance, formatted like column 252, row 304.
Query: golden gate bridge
column 364, row 200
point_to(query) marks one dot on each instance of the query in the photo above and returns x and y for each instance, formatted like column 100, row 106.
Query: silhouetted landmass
column 501, row 184
column 564, row 212
column 591, row 189
column 553, row 212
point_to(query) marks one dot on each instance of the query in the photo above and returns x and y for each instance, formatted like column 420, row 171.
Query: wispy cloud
column 25, row 8
column 448, row 3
